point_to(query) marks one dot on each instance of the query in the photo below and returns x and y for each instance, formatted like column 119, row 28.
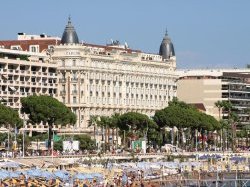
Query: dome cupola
column 69, row 35
column 166, row 48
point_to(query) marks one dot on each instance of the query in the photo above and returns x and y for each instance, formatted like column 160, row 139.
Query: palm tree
column 104, row 123
column 93, row 121
column 219, row 105
column 233, row 120
column 224, row 128
column 114, row 127
column 247, row 127
column 227, row 108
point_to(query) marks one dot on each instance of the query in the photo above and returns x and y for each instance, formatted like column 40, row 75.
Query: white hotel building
column 103, row 80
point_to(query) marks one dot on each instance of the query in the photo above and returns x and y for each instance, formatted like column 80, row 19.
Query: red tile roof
column 24, row 44
column 199, row 106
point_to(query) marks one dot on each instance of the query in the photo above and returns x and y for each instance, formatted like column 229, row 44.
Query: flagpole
column 24, row 124
column 15, row 132
column 52, row 143
column 8, row 140
column 15, row 144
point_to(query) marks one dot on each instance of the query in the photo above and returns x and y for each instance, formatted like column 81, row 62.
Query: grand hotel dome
column 166, row 48
column 69, row 35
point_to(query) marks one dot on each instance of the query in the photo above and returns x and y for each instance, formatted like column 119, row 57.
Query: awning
column 5, row 76
column 12, row 88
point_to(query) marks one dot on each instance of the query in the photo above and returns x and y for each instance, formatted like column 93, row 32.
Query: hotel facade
column 104, row 80
column 95, row 79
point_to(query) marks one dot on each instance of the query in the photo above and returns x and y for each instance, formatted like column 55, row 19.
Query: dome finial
column 166, row 33
column 69, row 35
column 69, row 20
column 167, row 47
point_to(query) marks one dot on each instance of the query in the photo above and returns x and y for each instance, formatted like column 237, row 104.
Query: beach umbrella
column 34, row 173
column 13, row 174
column 218, row 156
column 9, row 164
column 62, row 174
column 124, row 179
column 155, row 166
column 47, row 175
column 89, row 176
column 97, row 175
column 4, row 174
column 143, row 165
column 130, row 169
column 80, row 176
column 172, row 165
column 203, row 157
column 20, row 172
column 238, row 159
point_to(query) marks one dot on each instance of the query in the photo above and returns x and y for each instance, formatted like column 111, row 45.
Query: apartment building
column 209, row 86
column 26, row 69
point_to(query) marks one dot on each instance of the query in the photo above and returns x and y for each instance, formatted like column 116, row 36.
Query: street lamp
column 196, row 140
column 146, row 134
column 24, row 126
column 8, row 140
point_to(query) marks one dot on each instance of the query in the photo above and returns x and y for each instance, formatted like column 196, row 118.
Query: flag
column 56, row 138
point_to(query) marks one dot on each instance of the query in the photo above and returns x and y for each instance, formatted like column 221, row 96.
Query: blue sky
column 206, row 34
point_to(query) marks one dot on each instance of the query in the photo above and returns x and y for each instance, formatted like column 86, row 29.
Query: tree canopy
column 182, row 115
column 135, row 122
column 47, row 109
column 9, row 116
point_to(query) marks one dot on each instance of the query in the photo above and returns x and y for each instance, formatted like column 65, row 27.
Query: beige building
column 209, row 86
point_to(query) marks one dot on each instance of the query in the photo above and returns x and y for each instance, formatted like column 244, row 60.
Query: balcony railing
column 63, row 92
column 74, row 80
column 239, row 90
column 239, row 97
column 52, row 74
column 62, row 80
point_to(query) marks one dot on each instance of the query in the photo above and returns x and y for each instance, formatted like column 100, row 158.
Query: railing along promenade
column 140, row 155
column 96, row 156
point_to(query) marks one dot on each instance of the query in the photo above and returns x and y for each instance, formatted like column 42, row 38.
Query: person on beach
column 142, row 184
